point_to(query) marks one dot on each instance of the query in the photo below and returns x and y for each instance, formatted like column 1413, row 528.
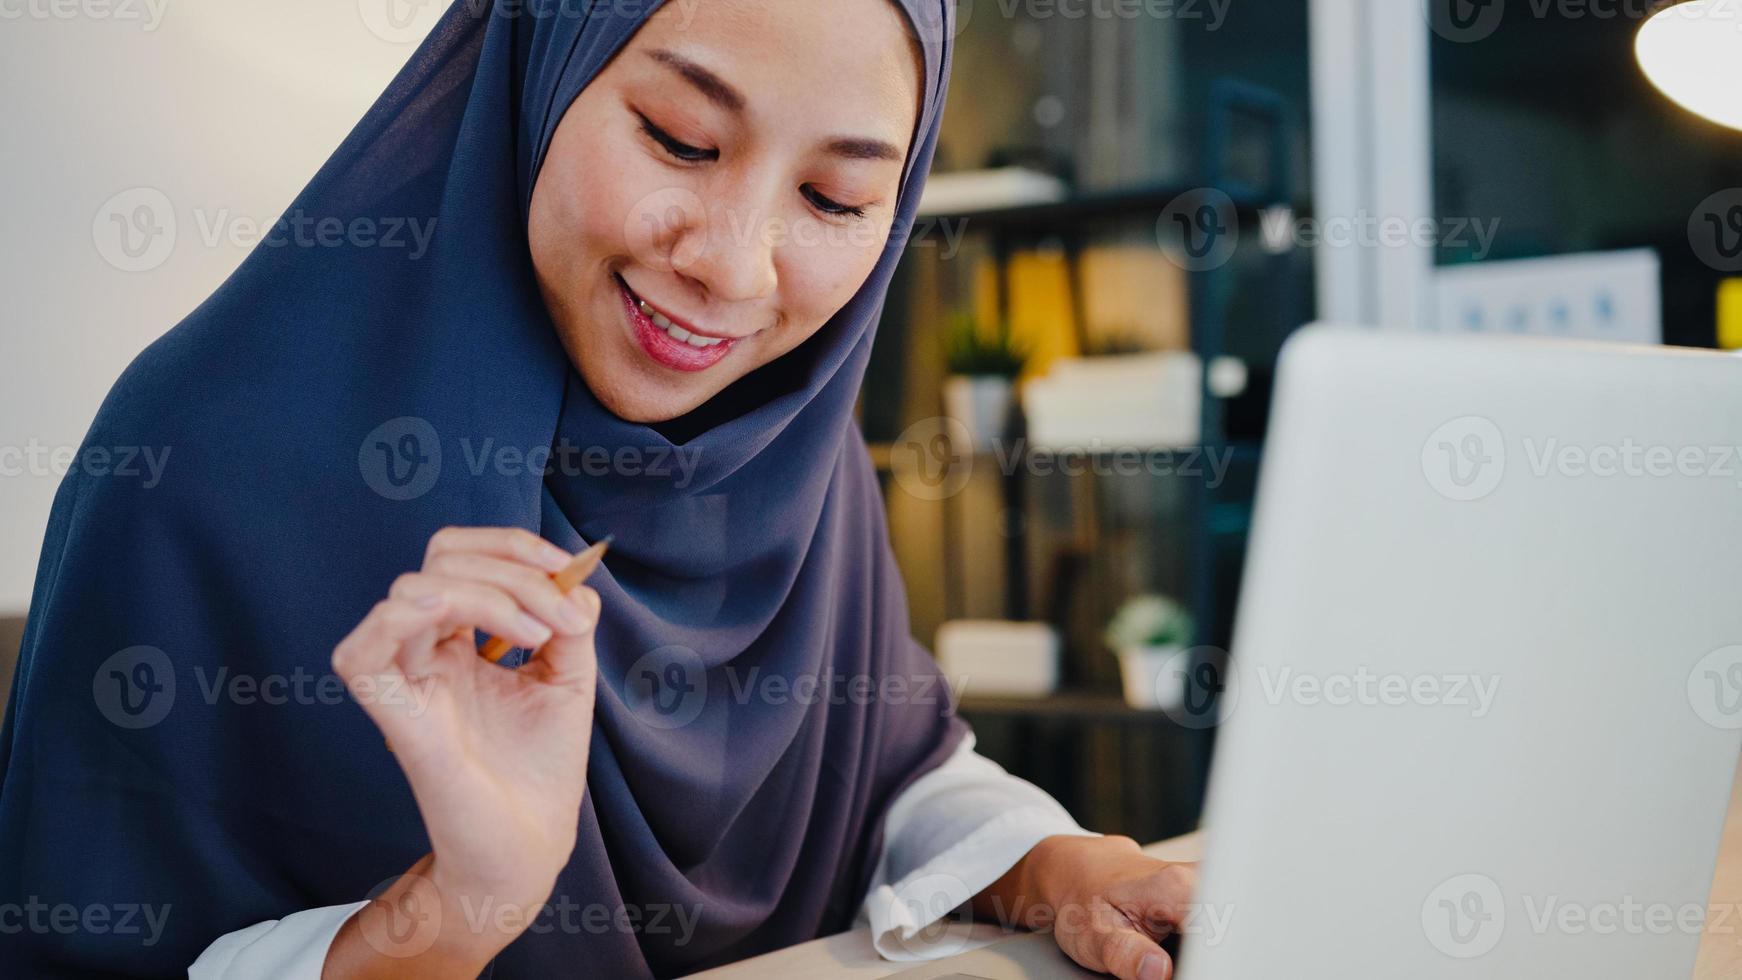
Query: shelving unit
column 1217, row 519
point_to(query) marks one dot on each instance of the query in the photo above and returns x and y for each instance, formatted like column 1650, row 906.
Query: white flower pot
column 1153, row 677
column 982, row 405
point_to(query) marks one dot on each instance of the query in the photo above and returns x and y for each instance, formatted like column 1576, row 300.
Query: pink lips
column 663, row 347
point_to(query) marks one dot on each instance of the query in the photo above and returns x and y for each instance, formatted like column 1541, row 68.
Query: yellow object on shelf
column 1730, row 314
column 1042, row 316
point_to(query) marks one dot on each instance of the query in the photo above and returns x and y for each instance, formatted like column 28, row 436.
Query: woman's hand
column 1109, row 904
column 496, row 758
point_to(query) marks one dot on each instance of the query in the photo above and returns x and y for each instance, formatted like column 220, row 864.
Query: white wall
column 221, row 109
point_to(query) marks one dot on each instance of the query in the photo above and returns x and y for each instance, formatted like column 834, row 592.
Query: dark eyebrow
column 720, row 92
column 860, row 148
column 709, row 84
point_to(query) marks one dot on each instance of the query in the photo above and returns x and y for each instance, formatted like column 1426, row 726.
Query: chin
column 641, row 405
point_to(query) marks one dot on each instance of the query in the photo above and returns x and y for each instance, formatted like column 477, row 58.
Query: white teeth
column 676, row 332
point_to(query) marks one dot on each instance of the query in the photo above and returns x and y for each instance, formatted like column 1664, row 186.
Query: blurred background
column 1134, row 203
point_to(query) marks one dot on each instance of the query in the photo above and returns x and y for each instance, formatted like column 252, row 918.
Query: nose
column 730, row 251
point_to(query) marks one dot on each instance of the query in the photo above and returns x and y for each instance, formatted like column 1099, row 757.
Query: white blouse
column 951, row 833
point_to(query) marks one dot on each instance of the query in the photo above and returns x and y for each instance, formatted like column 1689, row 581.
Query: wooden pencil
column 574, row 574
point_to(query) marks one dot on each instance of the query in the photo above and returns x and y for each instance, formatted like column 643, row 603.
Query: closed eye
column 680, row 150
column 830, row 207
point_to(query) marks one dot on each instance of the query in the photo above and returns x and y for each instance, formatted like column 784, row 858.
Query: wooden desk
column 850, row 954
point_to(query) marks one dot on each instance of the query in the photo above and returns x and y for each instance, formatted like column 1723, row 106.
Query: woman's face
column 732, row 172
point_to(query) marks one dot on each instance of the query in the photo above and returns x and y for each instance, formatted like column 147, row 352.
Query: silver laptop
column 1486, row 698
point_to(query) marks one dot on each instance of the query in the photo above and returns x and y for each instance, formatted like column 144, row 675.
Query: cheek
column 819, row 279
column 584, row 205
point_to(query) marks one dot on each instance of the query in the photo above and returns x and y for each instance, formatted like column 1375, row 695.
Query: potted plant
column 983, row 364
column 1147, row 633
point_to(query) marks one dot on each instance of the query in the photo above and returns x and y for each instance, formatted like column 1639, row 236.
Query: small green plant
column 976, row 349
column 1149, row 620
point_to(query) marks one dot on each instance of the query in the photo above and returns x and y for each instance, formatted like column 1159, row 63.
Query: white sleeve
column 954, row 831
column 292, row 948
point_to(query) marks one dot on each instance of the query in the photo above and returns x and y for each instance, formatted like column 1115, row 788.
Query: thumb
column 1113, row 943
column 570, row 658
column 1131, row 955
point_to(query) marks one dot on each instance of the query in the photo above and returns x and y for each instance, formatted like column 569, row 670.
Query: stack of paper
column 1136, row 401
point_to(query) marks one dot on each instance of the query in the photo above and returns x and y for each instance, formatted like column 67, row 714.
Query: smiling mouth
column 667, row 343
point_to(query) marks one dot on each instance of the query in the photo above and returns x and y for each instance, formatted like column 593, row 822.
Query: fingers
column 373, row 651
column 475, row 604
column 511, row 543
column 373, row 646
column 1130, row 955
column 1103, row 938
column 572, row 659
column 1162, row 901
column 531, row 587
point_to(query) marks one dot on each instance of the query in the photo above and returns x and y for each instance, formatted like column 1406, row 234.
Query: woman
column 662, row 235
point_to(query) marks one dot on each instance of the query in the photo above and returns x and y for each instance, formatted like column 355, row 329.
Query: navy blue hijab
column 176, row 743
